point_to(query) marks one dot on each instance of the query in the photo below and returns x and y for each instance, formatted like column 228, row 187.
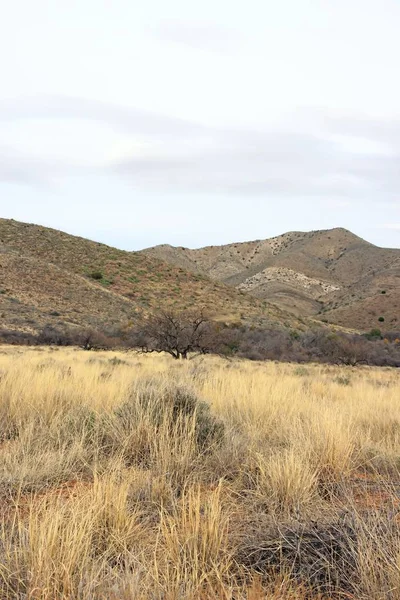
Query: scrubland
column 128, row 476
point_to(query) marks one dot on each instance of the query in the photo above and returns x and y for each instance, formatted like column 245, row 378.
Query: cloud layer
column 315, row 154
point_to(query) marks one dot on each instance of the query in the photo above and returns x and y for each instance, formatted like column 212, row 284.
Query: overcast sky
column 192, row 123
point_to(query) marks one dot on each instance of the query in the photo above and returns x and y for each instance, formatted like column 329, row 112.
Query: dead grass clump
column 286, row 482
column 194, row 544
column 320, row 555
column 171, row 406
column 333, row 450
column 349, row 554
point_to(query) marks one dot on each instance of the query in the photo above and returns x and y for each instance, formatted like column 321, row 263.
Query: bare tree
column 177, row 333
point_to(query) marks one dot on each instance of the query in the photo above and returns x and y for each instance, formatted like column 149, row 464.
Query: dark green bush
column 375, row 333
column 96, row 275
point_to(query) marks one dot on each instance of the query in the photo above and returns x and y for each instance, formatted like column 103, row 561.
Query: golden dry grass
column 106, row 492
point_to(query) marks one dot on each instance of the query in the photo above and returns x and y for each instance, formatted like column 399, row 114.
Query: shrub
column 373, row 334
column 116, row 362
column 51, row 336
column 343, row 380
column 16, row 337
column 168, row 406
column 381, row 319
column 96, row 275
column 301, row 371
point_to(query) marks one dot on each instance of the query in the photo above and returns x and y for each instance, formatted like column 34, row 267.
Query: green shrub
column 97, row 275
column 374, row 334
column 381, row 319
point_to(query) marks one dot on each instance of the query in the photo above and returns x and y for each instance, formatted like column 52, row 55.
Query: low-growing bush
column 15, row 337
column 343, row 380
column 97, row 275
column 168, row 406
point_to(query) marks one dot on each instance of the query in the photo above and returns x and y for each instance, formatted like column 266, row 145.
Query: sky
column 194, row 123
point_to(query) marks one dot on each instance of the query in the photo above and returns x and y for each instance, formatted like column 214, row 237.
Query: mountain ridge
column 317, row 273
column 291, row 280
column 48, row 276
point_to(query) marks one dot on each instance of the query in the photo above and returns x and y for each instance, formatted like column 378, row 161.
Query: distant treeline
column 318, row 345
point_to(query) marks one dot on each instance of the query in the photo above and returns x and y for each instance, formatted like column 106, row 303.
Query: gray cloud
column 383, row 130
column 126, row 119
column 22, row 168
column 278, row 164
column 16, row 167
column 192, row 158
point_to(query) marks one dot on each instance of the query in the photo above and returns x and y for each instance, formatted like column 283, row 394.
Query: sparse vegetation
column 187, row 333
column 136, row 476
column 49, row 270
column 304, row 274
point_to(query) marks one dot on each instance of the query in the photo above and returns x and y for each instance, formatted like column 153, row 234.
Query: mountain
column 332, row 275
column 50, row 277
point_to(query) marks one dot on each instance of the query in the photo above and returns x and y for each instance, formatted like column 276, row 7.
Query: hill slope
column 47, row 276
column 332, row 274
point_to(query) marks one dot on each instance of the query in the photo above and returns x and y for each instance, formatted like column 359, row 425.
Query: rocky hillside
column 50, row 277
column 332, row 275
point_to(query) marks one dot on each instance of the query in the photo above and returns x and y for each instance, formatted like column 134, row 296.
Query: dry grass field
column 128, row 476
